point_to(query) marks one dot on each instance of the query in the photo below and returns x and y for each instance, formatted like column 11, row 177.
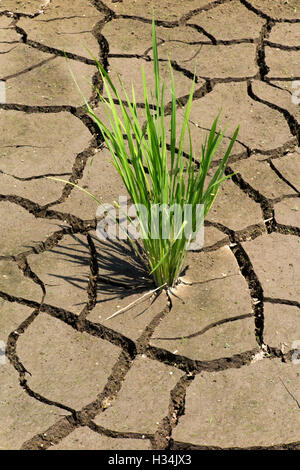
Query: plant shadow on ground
column 120, row 271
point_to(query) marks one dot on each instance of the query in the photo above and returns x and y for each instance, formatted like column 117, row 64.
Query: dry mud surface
column 214, row 367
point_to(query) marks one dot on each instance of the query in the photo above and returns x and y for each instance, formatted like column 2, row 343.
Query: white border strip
column 2, row 353
column 2, row 92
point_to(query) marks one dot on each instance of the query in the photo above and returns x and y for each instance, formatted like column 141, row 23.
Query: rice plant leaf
column 151, row 175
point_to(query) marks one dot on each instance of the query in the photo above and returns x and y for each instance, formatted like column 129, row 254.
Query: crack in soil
column 290, row 119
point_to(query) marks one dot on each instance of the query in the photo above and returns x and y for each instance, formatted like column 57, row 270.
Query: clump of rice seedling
column 159, row 177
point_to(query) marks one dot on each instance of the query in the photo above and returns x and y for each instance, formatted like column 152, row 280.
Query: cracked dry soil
column 212, row 368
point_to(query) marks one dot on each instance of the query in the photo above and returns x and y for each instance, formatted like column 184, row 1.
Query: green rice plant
column 159, row 177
